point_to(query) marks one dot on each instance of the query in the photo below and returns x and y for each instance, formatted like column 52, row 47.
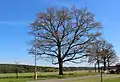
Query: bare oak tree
column 63, row 34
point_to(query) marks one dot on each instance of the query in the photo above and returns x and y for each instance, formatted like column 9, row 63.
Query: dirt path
column 65, row 79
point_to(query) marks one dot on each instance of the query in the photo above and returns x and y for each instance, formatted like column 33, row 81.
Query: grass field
column 106, row 78
column 96, row 79
column 23, row 77
column 44, row 75
column 47, row 74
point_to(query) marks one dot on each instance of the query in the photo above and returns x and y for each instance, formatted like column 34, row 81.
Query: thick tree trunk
column 95, row 67
column 98, row 62
column 104, row 63
column 60, row 68
column 60, row 61
column 108, row 64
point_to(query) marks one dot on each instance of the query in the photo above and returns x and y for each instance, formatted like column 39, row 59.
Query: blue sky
column 16, row 15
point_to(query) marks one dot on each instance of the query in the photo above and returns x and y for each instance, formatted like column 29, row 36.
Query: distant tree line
column 12, row 68
column 77, row 68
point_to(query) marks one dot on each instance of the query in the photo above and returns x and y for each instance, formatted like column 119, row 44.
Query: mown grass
column 106, row 78
column 23, row 77
column 95, row 80
column 14, row 80
column 112, row 80
column 54, row 75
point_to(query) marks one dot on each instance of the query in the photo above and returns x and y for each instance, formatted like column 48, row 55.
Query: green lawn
column 96, row 80
column 23, row 77
column 106, row 78
column 14, row 80
column 52, row 75
column 112, row 80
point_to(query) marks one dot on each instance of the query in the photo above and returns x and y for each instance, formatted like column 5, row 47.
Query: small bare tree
column 94, row 54
column 103, row 52
column 109, row 56
column 64, row 34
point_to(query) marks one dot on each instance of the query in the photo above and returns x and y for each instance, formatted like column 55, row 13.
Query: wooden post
column 101, row 75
